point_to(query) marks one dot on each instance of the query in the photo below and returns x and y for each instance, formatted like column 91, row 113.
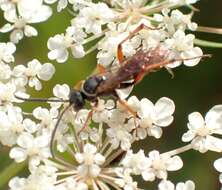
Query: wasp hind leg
column 131, row 35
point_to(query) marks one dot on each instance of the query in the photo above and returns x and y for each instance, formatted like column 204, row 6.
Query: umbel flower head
column 114, row 21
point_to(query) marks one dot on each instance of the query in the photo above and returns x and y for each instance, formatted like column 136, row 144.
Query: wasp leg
column 101, row 69
column 78, row 85
column 89, row 117
column 131, row 34
column 166, row 62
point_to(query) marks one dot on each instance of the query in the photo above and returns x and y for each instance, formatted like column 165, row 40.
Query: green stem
column 10, row 171
column 205, row 43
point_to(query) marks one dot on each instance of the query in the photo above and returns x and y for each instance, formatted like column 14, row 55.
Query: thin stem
column 94, row 185
column 179, row 150
column 110, row 181
column 57, row 165
column 113, row 157
column 63, row 180
column 209, row 30
column 105, row 144
column 205, row 43
column 91, row 49
column 66, row 173
column 93, row 37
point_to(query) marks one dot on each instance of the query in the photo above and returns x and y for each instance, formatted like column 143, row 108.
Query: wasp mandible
column 106, row 83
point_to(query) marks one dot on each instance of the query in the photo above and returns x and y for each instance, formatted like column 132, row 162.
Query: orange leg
column 89, row 117
column 127, row 107
column 136, row 30
column 101, row 69
column 166, row 62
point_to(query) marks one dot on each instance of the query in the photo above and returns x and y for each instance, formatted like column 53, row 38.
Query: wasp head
column 76, row 98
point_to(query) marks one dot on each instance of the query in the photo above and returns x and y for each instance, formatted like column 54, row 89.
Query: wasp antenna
column 40, row 99
column 55, row 129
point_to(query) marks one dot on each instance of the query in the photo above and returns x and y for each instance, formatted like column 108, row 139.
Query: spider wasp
column 106, row 83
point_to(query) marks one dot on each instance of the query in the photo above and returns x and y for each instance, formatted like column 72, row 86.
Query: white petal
column 10, row 15
column 41, row 14
column 78, row 51
column 164, row 122
column 99, row 159
column 174, row 163
column 6, row 28
column 147, row 108
column 30, row 31
column 155, row 132
column 166, row 185
column 16, row 36
column 124, row 93
column 18, row 154
column 218, row 164
column 188, row 136
column 164, row 107
column 25, row 140
column 214, row 144
column 196, row 120
column 94, row 170
column 148, row 176
column 195, row 52
column 62, row 4
column 90, row 149
column 46, row 71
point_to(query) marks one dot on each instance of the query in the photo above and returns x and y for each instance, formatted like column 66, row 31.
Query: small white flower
column 7, row 93
column 119, row 135
column 152, row 117
column 33, row 72
column 59, row 44
column 36, row 148
column 12, row 126
column 6, row 52
column 125, row 180
column 136, row 162
column 29, row 12
column 218, row 164
column 90, row 161
column 5, row 72
column 45, row 116
column 168, row 185
column 42, row 178
column 161, row 163
column 201, row 130
column 102, row 111
column 93, row 17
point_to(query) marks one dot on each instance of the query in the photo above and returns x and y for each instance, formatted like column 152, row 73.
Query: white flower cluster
column 97, row 149
column 20, row 14
column 26, row 137
column 114, row 22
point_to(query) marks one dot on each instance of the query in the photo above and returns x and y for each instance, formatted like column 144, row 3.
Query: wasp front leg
column 89, row 116
column 131, row 35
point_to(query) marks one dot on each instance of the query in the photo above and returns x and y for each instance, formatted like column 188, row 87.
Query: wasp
column 107, row 82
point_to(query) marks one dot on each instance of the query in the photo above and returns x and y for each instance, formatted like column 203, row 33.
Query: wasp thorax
column 77, row 100
column 90, row 85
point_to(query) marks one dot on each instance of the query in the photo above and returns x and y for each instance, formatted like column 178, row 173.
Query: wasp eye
column 77, row 100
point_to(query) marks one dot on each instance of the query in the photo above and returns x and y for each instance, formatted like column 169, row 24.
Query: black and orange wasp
column 106, row 83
